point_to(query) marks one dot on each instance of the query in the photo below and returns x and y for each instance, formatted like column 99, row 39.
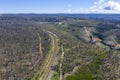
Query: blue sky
column 59, row 6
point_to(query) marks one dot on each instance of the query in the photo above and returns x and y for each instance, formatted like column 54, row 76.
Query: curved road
column 47, row 72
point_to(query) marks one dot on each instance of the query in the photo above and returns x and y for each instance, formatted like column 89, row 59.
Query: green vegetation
column 90, row 71
column 45, row 62
column 55, row 76
column 20, row 57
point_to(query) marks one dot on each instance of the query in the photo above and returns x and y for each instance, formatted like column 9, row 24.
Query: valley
column 58, row 47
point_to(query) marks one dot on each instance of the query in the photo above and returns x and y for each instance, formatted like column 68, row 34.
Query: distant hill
column 86, row 16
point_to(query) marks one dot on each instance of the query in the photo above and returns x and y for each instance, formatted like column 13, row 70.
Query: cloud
column 108, row 8
column 99, row 6
column 104, row 6
column 112, row 5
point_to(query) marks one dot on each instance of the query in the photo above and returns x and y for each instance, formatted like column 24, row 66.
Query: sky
column 59, row 6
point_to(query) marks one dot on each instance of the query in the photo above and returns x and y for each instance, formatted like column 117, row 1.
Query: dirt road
column 49, row 62
column 61, row 72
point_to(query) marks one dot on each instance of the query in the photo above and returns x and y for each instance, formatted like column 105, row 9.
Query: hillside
column 58, row 46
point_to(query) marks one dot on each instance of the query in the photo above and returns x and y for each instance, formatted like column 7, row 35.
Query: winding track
column 47, row 71
column 60, row 68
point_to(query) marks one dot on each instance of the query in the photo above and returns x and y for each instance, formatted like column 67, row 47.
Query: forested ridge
column 91, row 47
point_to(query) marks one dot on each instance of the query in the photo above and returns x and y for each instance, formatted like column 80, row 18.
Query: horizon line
column 57, row 13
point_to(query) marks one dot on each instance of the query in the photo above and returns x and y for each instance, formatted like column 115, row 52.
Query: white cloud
column 100, row 6
column 112, row 5
column 69, row 10
column 109, row 6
